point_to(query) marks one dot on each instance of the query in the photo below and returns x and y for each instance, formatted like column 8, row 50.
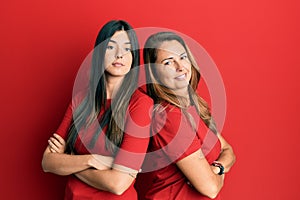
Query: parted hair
column 96, row 98
column 160, row 93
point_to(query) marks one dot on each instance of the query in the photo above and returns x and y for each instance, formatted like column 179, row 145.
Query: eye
column 167, row 62
column 109, row 47
column 183, row 57
column 128, row 49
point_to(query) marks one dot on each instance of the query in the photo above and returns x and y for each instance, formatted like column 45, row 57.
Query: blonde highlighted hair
column 161, row 94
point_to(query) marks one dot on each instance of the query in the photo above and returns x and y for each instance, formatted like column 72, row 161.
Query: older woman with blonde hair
column 181, row 164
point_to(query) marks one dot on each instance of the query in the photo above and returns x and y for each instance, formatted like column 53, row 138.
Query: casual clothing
column 131, row 153
column 173, row 139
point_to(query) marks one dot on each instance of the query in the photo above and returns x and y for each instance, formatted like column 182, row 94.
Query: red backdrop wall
column 255, row 45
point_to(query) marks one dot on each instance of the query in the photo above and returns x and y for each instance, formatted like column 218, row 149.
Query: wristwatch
column 220, row 166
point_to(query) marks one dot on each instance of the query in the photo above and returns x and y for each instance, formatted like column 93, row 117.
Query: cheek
column 189, row 69
column 128, row 59
column 167, row 82
column 108, row 59
column 164, row 77
column 190, row 74
column 188, row 66
column 127, row 62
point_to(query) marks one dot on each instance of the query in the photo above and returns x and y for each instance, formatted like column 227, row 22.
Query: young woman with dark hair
column 187, row 156
column 102, row 140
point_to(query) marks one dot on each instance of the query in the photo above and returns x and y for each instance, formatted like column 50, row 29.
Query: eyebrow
column 116, row 42
column 171, row 57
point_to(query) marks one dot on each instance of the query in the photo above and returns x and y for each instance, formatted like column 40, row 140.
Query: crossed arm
column 204, row 177
column 227, row 157
column 57, row 162
column 93, row 169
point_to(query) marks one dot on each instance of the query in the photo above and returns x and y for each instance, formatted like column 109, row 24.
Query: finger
column 55, row 142
column 52, row 150
column 59, row 138
column 50, row 143
column 53, row 146
column 59, row 148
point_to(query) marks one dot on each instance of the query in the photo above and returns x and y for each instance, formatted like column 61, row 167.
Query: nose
column 119, row 53
column 179, row 66
column 119, row 56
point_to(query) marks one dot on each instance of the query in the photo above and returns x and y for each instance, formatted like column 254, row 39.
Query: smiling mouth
column 181, row 77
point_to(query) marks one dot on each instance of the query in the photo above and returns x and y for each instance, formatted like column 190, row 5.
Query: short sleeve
column 65, row 124
column 137, row 132
column 63, row 128
column 174, row 136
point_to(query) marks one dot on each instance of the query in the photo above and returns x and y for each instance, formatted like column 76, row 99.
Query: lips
column 117, row 64
column 181, row 77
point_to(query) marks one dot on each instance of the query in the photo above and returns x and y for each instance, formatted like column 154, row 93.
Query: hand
column 216, row 170
column 101, row 162
column 57, row 144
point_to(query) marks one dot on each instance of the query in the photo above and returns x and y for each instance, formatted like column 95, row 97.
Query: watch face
column 220, row 166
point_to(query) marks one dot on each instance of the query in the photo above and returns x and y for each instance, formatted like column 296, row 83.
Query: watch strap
column 220, row 166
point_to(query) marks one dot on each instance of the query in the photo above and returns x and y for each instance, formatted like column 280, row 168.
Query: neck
column 182, row 92
column 185, row 97
column 112, row 85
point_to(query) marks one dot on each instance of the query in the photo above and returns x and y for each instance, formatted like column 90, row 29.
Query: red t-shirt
column 173, row 139
column 131, row 153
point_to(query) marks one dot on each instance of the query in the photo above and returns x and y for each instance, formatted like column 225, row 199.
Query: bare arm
column 57, row 162
column 227, row 156
column 110, row 180
column 118, row 178
column 64, row 164
column 95, row 170
column 200, row 174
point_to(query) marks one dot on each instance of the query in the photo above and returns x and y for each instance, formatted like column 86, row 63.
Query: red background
column 255, row 45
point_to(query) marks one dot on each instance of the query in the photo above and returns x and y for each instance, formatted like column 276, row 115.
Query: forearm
column 227, row 158
column 64, row 164
column 108, row 180
column 200, row 174
column 213, row 184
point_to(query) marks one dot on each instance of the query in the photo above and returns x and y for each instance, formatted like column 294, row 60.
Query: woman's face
column 118, row 57
column 173, row 66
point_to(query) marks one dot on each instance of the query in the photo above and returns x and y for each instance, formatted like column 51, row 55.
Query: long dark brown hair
column 160, row 93
column 96, row 97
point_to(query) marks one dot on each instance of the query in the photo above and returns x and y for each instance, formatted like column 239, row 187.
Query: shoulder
column 140, row 97
column 168, row 111
column 78, row 98
column 167, row 118
column 140, row 104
